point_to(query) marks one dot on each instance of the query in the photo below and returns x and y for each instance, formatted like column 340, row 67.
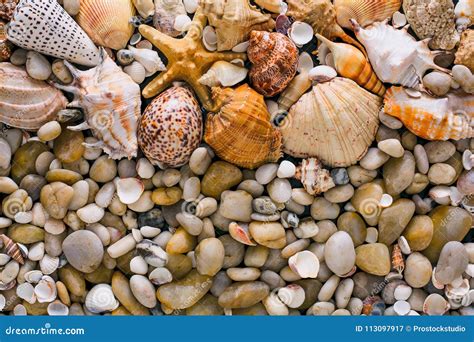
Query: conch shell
column 314, row 178
column 431, row 118
column 240, row 131
column 224, row 74
column 6, row 8
column 335, row 122
column 365, row 12
column 274, row 60
column 433, row 19
column 171, row 127
column 352, row 63
column 395, row 55
column 107, row 22
column 27, row 103
column 166, row 12
column 234, row 20
column 465, row 52
column 111, row 102
column 321, row 15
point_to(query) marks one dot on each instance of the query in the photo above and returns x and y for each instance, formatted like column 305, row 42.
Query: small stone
column 55, row 198
column 390, row 121
column 409, row 140
column 439, row 151
column 121, row 289
column 191, row 189
column 340, row 193
column 25, row 233
column 417, row 270
column 354, row 225
column 337, row 262
column 394, row 219
column 166, row 196
column 374, row 159
column 373, row 258
column 392, row 147
column 279, row 190
column 438, row 83
column 191, row 223
column 37, row 66
column 419, row 232
column 62, row 175
column 359, row 176
column 322, row 209
column 5, row 154
column 60, row 70
column 143, row 290
column 243, row 294
column 220, row 176
column 236, row 205
column 200, row 161
column 452, row 262
column 68, row 147
column 83, row 250
column 103, row 170
column 33, row 185
column 340, row 176
column 264, row 205
column 24, row 159
column 286, row 169
column 91, row 213
column 465, row 183
column 266, row 173
column 252, row 187
column 181, row 242
column 73, row 279
column 171, row 177
column 420, row 182
column 271, row 235
column 209, row 256
column 153, row 218
column 441, row 174
column 398, row 173
column 49, row 131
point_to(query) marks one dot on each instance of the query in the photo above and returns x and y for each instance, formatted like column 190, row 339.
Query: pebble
column 181, row 242
column 394, row 219
column 398, row 173
column 452, row 262
column 441, row 174
column 7, row 185
column 122, row 291
column 354, row 225
column 419, row 232
column 171, row 177
column 243, row 273
column 209, row 256
column 392, row 147
column 340, row 176
column 73, row 279
column 55, row 198
column 23, row 162
column 5, row 154
column 264, row 205
column 337, row 262
column 359, row 176
column 374, row 159
column 243, row 294
column 390, row 121
column 322, row 209
column 166, row 196
column 465, row 182
column 91, row 213
column 373, row 258
column 279, row 190
column 417, row 270
column 206, row 207
column 72, row 6
column 271, row 234
column 49, row 131
column 256, row 256
column 409, row 140
column 329, row 288
column 60, row 70
column 138, row 265
column 68, row 147
column 37, row 66
column 18, row 57
column 220, row 176
column 191, row 189
column 252, row 187
column 439, row 151
column 191, row 223
column 340, row 193
column 286, row 169
column 200, row 161
column 236, row 205
column 266, row 173
column 83, row 250
column 143, row 290
column 43, row 162
column 420, row 182
column 438, row 83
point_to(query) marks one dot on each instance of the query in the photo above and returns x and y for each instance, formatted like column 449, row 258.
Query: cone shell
column 234, row 20
column 241, row 132
column 465, row 52
column 12, row 249
column 24, row 102
column 398, row 263
column 166, row 12
column 431, row 118
column 107, row 22
column 171, row 127
column 365, row 12
column 6, row 8
column 335, row 122
column 45, row 27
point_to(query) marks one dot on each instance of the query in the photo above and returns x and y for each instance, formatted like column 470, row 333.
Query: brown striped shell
column 25, row 102
column 171, row 127
column 274, row 60
column 12, row 249
column 240, row 131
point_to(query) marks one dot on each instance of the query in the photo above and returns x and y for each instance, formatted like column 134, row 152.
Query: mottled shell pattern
column 5, row 45
column 234, row 20
column 107, row 22
column 443, row 118
column 240, row 131
column 405, row 65
column 433, row 19
column 335, row 122
column 171, row 127
column 365, row 12
column 6, row 8
column 44, row 26
column 166, row 12
column 314, row 177
column 274, row 60
column 25, row 102
column 465, row 52
column 111, row 102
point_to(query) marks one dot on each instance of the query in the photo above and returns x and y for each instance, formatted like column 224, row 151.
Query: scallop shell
column 352, row 63
column 234, row 20
column 431, row 118
column 365, row 12
column 433, row 19
column 465, row 52
column 24, row 102
column 314, row 177
column 44, row 26
column 6, row 8
column 224, row 74
column 335, row 122
column 171, row 127
column 305, row 264
column 111, row 102
column 166, row 12
column 12, row 249
column 435, row 305
column 274, row 60
column 403, row 65
column 240, row 131
column 107, row 22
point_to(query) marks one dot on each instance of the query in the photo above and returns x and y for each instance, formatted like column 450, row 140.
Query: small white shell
column 2, row 302
column 209, row 38
column 467, row 160
column 129, row 190
column 435, row 305
column 404, row 246
column 26, row 291
column 402, row 292
column 440, row 194
column 182, row 23
column 19, row 310
column 434, row 281
column 191, row 5
column 386, row 201
column 401, row 307
column 101, row 299
column 322, row 73
column 305, row 264
column 45, row 290
column 36, row 251
column 136, row 71
column 456, row 196
column 292, row 295
column 399, row 19
column 241, row 47
column 305, row 62
column 240, row 233
column 457, row 292
column 33, row 276
column 301, row 33
column 138, row 265
column 57, row 308
column 470, row 270
column 49, row 264
column 150, row 60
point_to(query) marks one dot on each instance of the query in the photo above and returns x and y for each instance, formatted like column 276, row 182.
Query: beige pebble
column 441, row 173
column 49, row 131
column 392, row 147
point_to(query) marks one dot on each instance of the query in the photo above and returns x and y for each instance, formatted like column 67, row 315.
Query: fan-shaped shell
column 111, row 102
column 465, row 52
column 107, row 22
column 171, row 127
column 442, row 118
column 234, row 20
column 365, row 12
column 274, row 60
column 335, row 122
column 44, row 26
column 24, row 102
column 241, row 132
column 166, row 12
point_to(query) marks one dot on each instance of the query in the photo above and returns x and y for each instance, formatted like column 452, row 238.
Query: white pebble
column 266, row 173
column 286, row 169
column 145, row 169
column 91, row 213
column 138, row 265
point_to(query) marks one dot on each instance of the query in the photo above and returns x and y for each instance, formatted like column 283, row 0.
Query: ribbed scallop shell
column 44, row 26
column 241, row 132
column 274, row 60
column 431, row 118
column 171, row 127
column 465, row 51
column 111, row 102
column 166, row 12
column 365, row 12
column 335, row 122
column 24, row 102
column 107, row 22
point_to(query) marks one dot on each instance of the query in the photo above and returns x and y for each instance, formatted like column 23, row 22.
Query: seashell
column 36, row 23
column 274, row 6
column 305, row 264
column 457, row 292
column 209, row 38
column 335, row 122
column 464, row 13
column 171, row 127
column 240, row 130
column 292, row 295
column 322, row 73
column 431, row 118
column 136, row 71
column 274, row 60
column 404, row 246
column 404, row 66
column 365, row 12
column 433, row 19
column 95, row 18
column 129, row 190
column 301, row 33
column 223, row 74
column 435, row 305
column 111, row 102
column 5, row 46
column 149, row 59
column 101, row 299
column 465, row 52
column 12, row 249
column 145, row 8
column 165, row 15
column 234, row 20
column 26, row 291
column 314, row 178
column 399, row 19
column 33, row 276
column 321, row 15
column 49, row 264
column 305, row 62
column 57, row 308
column 401, row 307
column 6, row 8
column 191, row 5
column 352, row 63
column 282, row 24
column 295, row 89
column 398, row 263
column 45, row 290
column 240, row 233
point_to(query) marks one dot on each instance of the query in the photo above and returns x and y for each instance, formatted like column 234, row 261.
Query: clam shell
column 33, row 276
column 365, row 12
column 435, row 305
column 95, row 18
column 136, row 71
column 49, row 264
column 129, row 190
column 240, row 232
column 57, row 308
column 26, row 291
column 182, row 22
column 209, row 38
column 45, row 290
column 300, row 33
column 292, row 295
column 101, row 299
column 305, row 264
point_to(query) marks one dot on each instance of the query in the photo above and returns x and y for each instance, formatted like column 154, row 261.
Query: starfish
column 188, row 59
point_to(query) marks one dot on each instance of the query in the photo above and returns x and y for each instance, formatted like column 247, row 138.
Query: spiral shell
column 171, row 127
column 365, row 12
column 12, row 249
column 398, row 263
column 240, row 131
